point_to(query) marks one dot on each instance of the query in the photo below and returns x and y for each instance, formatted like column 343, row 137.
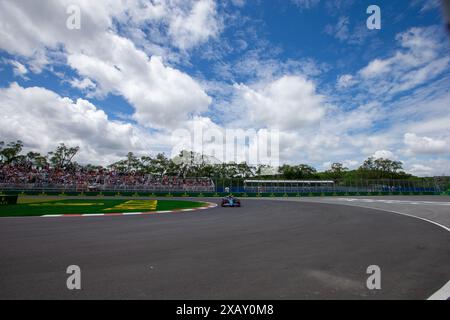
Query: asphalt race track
column 434, row 208
column 265, row 250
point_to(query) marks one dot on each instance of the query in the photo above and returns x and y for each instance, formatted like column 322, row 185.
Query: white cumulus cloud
column 290, row 102
column 42, row 119
column 162, row 96
column 425, row 145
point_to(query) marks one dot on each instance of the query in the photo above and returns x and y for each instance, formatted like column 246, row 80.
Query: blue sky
column 138, row 71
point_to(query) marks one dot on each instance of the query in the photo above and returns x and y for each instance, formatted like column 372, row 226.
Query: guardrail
column 209, row 194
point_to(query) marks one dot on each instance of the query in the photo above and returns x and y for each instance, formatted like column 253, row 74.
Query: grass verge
column 83, row 206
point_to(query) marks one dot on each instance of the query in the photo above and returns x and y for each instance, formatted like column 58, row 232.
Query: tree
column 381, row 168
column 208, row 170
column 305, row 171
column 287, row 171
column 132, row 162
column 146, row 164
column 263, row 170
column 368, row 165
column 160, row 164
column 337, row 170
column 36, row 159
column 244, row 170
column 301, row 171
column 10, row 153
column 192, row 164
column 62, row 157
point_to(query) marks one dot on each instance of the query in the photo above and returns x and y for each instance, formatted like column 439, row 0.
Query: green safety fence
column 209, row 194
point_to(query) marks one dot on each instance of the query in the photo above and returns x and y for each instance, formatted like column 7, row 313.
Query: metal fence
column 105, row 188
column 374, row 186
column 220, row 185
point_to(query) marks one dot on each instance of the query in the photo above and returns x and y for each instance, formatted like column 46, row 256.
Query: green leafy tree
column 36, row 159
column 62, row 157
column 11, row 153
column 299, row 172
column 337, row 171
column 381, row 169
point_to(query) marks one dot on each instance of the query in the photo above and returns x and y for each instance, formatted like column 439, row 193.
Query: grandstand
column 260, row 186
column 81, row 179
column 48, row 179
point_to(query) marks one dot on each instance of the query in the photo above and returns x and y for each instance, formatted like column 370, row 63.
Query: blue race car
column 230, row 201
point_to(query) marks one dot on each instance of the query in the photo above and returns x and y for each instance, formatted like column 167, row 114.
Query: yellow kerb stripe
column 136, row 205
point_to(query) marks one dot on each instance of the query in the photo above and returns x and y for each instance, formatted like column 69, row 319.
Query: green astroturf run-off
column 78, row 206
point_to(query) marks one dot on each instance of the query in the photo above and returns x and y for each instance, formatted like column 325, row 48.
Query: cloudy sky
column 136, row 71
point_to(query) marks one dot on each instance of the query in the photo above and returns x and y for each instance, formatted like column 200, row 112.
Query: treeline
column 371, row 169
column 62, row 157
column 190, row 164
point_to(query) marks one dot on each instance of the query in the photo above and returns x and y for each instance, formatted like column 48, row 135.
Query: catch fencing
column 250, row 187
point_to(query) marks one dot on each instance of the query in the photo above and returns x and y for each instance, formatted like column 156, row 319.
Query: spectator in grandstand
column 27, row 177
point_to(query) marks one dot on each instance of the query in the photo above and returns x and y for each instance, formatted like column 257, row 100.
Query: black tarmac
column 264, row 250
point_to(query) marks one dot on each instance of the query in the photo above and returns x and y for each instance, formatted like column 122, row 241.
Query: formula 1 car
column 230, row 201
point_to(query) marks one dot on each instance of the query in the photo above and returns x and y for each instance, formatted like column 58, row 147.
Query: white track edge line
column 397, row 212
column 446, row 288
column 442, row 294
column 210, row 205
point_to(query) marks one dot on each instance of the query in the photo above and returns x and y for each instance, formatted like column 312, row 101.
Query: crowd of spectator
column 83, row 179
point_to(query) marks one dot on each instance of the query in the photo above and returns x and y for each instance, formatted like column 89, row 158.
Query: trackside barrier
column 211, row 194
column 8, row 199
